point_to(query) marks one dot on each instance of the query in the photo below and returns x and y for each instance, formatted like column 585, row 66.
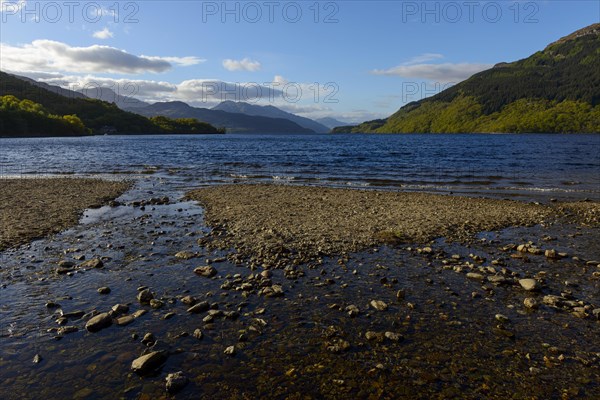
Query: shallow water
column 453, row 346
column 562, row 166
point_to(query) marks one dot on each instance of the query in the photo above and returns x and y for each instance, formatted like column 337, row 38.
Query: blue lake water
column 563, row 166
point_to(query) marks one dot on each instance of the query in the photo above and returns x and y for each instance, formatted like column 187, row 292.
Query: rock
column 503, row 332
column 352, row 310
column 145, row 296
column 63, row 271
column 379, row 305
column 198, row 308
column 148, row 339
column 231, row 315
column 401, row 294
column 66, row 264
column 104, row 290
column 185, row 255
column 208, row 271
column 552, row 300
column 229, row 351
column 596, row 313
column 148, row 363
column 124, row 320
column 51, row 304
column 501, row 318
column 529, row 284
column 370, row 335
column 93, row 263
column 138, row 313
column 169, row 315
column 198, row 334
column 189, row 300
column 175, row 382
column 66, row 330
column 534, row 250
column 497, row 279
column 531, row 303
column 37, row 359
column 156, row 304
column 266, row 274
column 591, row 263
column 99, row 322
column 338, row 346
column 74, row 314
column 475, row 275
column 551, row 254
column 579, row 312
column 272, row 291
column 396, row 337
column 119, row 309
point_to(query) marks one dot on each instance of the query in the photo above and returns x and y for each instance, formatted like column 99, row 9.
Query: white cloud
column 103, row 34
column 245, row 64
column 422, row 58
column 418, row 68
column 204, row 93
column 53, row 56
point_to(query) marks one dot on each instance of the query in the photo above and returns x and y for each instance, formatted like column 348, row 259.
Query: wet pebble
column 198, row 308
column 175, row 382
column 93, row 263
column 208, row 271
column 104, row 290
column 529, row 284
column 531, row 303
column 99, row 322
column 145, row 296
column 148, row 363
column 379, row 305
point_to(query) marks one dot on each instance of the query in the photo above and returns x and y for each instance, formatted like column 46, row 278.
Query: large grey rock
column 99, row 322
column 148, row 363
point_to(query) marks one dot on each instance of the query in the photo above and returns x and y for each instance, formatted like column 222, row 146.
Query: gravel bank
column 267, row 220
column 34, row 208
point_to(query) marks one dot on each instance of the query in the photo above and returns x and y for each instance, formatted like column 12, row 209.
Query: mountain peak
column 593, row 29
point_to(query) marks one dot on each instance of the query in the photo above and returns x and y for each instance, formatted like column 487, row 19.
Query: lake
column 531, row 166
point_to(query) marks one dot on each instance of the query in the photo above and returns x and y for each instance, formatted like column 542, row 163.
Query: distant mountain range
column 235, row 117
column 556, row 90
column 232, row 122
column 104, row 111
column 330, row 122
column 270, row 112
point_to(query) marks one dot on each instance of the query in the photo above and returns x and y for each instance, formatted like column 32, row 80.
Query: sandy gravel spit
column 265, row 221
column 35, row 208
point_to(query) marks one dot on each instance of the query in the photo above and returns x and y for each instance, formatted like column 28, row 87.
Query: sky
column 350, row 60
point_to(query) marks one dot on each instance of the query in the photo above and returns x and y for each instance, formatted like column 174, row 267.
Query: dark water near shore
column 563, row 166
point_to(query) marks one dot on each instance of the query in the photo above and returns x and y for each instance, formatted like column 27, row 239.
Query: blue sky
column 353, row 60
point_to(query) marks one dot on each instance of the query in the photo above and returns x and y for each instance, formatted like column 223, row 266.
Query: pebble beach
column 282, row 291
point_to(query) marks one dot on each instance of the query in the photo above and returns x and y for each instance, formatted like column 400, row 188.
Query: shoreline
column 265, row 221
column 35, row 208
